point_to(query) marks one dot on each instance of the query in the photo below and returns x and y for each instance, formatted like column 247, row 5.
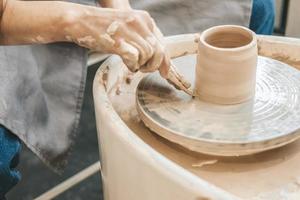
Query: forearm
column 27, row 22
column 117, row 4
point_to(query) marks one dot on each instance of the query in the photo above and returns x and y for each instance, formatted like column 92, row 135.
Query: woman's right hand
column 127, row 33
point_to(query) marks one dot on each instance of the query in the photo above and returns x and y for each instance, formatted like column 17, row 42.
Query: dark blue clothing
column 263, row 17
column 10, row 147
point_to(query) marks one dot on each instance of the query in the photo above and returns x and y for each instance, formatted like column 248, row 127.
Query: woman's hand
column 128, row 33
column 172, row 75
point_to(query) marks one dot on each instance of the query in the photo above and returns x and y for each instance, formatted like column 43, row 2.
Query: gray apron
column 42, row 86
column 191, row 16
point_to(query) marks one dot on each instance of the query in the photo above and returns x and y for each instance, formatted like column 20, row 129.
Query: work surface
column 269, row 120
column 270, row 175
column 274, row 171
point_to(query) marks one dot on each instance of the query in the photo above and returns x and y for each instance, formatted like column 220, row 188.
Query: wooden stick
column 70, row 182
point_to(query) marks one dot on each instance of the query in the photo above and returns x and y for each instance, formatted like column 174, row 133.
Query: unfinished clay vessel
column 130, row 152
column 226, row 65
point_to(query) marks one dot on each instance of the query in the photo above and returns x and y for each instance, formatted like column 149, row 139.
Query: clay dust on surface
column 268, row 175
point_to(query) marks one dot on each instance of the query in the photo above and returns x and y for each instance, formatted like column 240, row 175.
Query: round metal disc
column 271, row 119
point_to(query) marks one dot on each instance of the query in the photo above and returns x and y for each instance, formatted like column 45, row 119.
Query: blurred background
column 37, row 178
column 287, row 18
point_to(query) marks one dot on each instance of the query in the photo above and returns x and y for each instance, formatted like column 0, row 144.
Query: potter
column 226, row 65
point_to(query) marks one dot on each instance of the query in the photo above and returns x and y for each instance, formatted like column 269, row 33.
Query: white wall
column 293, row 21
column 278, row 12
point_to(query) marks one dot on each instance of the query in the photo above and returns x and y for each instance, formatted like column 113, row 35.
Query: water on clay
column 272, row 175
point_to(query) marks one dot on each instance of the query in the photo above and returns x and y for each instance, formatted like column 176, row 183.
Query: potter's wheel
column 270, row 120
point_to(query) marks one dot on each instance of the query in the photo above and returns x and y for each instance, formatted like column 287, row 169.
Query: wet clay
column 264, row 176
column 113, row 27
column 226, row 65
column 269, row 175
column 229, row 130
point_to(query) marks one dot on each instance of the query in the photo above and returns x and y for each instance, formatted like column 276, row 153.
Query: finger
column 145, row 49
column 133, row 37
column 164, row 67
column 143, row 30
column 158, row 34
column 149, row 20
column 147, row 30
column 180, row 77
column 154, row 63
column 173, row 79
column 141, row 21
column 129, row 55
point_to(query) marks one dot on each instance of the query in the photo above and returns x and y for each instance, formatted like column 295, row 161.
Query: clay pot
column 136, row 162
column 226, row 65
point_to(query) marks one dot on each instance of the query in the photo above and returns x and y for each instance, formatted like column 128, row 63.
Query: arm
column 128, row 33
column 26, row 22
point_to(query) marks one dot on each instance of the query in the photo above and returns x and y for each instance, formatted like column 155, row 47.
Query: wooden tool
column 178, row 80
column 174, row 77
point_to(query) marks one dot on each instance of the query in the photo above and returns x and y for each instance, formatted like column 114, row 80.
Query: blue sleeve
column 263, row 16
column 10, row 147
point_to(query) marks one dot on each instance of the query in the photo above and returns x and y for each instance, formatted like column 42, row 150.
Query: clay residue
column 205, row 162
column 104, row 78
column 86, row 41
column 107, row 40
column 122, row 79
column 39, row 39
column 284, row 51
column 270, row 175
column 184, row 54
column 118, row 90
column 130, row 56
column 112, row 28
column 129, row 78
column 196, row 40
column 203, row 198
column 290, row 191
column 130, row 19
column 68, row 38
column 286, row 59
